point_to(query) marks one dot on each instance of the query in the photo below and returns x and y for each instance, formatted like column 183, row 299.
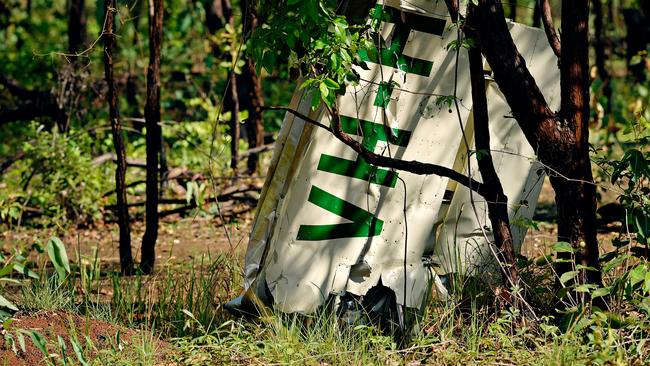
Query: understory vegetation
column 78, row 185
column 177, row 316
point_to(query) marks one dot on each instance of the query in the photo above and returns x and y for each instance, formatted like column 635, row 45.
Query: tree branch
column 551, row 35
column 413, row 166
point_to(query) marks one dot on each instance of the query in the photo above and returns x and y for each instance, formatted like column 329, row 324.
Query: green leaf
column 79, row 352
column 315, row 99
column 63, row 349
column 331, row 83
column 646, row 282
column 563, row 247
column 59, row 257
column 7, row 304
column 40, row 342
column 600, row 292
column 568, row 276
column 585, row 288
column 638, row 164
column 637, row 274
column 25, row 271
column 324, row 90
column 6, row 269
column 21, row 342
column 586, row 268
column 617, row 261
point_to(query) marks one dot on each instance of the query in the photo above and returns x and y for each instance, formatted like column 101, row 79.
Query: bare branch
column 413, row 166
column 551, row 35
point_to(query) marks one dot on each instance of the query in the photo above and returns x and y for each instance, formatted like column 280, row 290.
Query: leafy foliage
column 322, row 45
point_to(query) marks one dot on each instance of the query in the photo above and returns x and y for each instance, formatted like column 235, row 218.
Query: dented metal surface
column 329, row 224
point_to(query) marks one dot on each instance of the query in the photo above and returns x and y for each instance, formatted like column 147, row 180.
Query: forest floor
column 126, row 332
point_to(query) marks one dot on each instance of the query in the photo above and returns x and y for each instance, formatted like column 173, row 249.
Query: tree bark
column 126, row 258
column 576, row 198
column 559, row 138
column 513, row 10
column 232, row 98
column 76, row 26
column 549, row 28
column 234, row 122
column 599, row 48
column 214, row 17
column 498, row 202
column 250, row 90
column 153, row 138
column 537, row 15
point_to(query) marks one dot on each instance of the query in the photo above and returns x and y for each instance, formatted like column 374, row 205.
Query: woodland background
column 90, row 90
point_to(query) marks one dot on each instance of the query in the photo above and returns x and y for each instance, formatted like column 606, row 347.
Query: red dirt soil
column 52, row 324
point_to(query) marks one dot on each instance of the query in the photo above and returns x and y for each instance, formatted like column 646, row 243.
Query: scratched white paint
column 302, row 274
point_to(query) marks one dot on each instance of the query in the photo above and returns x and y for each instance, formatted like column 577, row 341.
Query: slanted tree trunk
column 126, row 258
column 559, row 138
column 494, row 195
column 498, row 201
column 153, row 138
column 250, row 90
column 76, row 26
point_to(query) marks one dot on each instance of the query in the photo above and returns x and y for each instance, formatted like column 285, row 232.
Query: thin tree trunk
column 549, row 28
column 76, row 26
column 214, row 17
column 537, row 15
column 498, row 202
column 513, row 10
column 599, row 48
column 234, row 123
column 250, row 84
column 132, row 79
column 164, row 169
column 126, row 258
column 152, row 120
column 232, row 98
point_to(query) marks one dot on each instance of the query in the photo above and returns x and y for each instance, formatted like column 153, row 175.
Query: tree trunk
column 76, row 26
column 214, row 17
column 603, row 74
column 513, row 10
column 559, row 138
column 126, row 258
column 576, row 192
column 153, row 138
column 234, row 122
column 132, row 79
column 537, row 15
column 250, row 91
column 232, row 97
column 497, row 201
column 636, row 41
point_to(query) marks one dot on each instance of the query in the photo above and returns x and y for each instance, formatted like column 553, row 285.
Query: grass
column 176, row 317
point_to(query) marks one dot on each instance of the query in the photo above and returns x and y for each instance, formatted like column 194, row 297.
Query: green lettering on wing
column 371, row 133
column 364, row 224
